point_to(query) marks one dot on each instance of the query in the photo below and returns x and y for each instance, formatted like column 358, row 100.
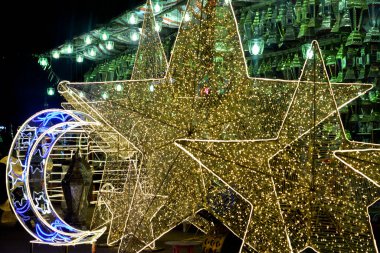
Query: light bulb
column 157, row 7
column 92, row 52
column 104, row 35
column 43, row 61
column 255, row 49
column 310, row 54
column 79, row 58
column 157, row 27
column 109, row 45
column 119, row 87
column 134, row 36
column 105, row 95
column 187, row 17
column 69, row 49
column 132, row 18
column 87, row 40
column 55, row 54
column 50, row 91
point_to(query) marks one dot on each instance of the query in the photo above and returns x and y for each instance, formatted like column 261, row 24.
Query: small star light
column 156, row 122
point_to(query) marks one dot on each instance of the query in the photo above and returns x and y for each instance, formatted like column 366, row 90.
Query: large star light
column 323, row 201
column 205, row 95
column 150, row 62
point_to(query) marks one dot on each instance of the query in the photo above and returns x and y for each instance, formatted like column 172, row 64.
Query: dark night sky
column 32, row 27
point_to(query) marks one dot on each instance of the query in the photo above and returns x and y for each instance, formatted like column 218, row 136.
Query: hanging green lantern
column 157, row 7
column 110, row 44
column 50, row 91
column 68, row 48
column 104, row 35
column 87, row 39
column 79, row 58
column 43, row 61
column 132, row 18
column 55, row 54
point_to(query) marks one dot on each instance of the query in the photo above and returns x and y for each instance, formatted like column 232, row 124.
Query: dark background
column 29, row 28
column 33, row 27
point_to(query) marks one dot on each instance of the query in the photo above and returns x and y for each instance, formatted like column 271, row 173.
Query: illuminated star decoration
column 40, row 201
column 206, row 94
column 150, row 62
column 323, row 201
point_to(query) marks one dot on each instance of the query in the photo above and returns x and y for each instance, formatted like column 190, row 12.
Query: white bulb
column 80, row 58
column 88, row 40
column 92, row 52
column 69, row 49
column 255, row 49
column 157, row 7
column 134, row 36
column 132, row 19
column 309, row 54
column 119, row 87
column 157, row 27
column 55, row 54
column 187, row 17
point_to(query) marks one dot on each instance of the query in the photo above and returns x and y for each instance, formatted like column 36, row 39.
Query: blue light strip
column 27, row 194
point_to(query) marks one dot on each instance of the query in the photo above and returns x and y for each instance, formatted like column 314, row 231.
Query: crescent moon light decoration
column 26, row 176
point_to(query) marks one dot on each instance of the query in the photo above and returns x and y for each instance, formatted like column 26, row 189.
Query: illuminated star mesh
column 206, row 95
column 323, row 201
column 150, row 61
column 363, row 158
